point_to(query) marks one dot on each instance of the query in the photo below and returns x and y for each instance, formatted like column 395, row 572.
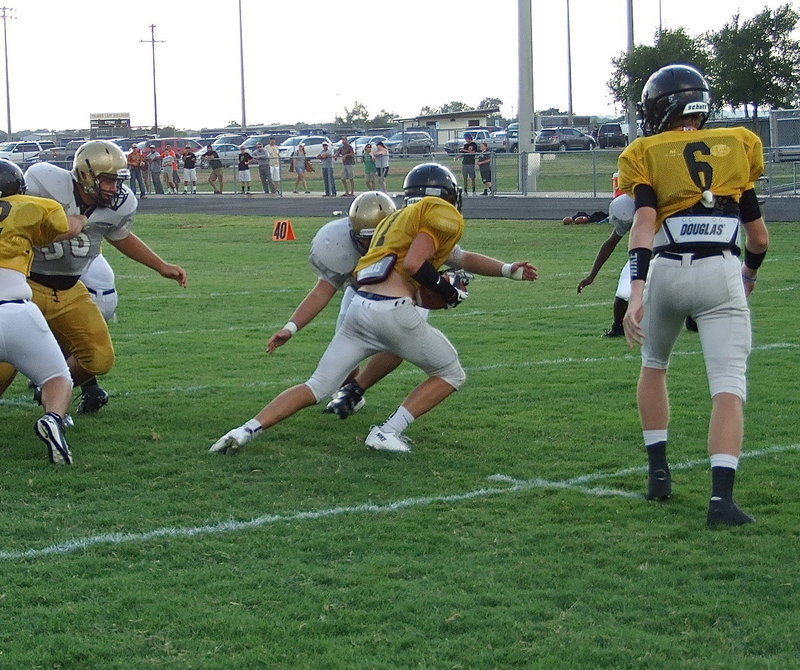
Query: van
column 24, row 152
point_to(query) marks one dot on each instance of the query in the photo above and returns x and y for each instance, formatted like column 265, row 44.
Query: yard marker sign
column 283, row 230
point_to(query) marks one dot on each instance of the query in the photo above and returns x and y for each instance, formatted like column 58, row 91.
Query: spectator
column 299, row 163
column 244, row 170
column 261, row 157
column 169, row 161
column 468, row 162
column 485, row 166
column 370, row 170
column 189, row 169
column 216, row 178
column 154, row 167
column 274, row 166
column 381, row 156
column 135, row 164
column 348, row 156
column 326, row 157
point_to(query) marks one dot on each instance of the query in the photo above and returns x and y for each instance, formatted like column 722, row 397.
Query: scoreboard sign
column 109, row 125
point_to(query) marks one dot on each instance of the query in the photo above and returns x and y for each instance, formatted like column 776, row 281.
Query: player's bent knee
column 454, row 375
column 99, row 363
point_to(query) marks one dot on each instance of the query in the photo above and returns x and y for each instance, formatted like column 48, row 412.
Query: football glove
column 459, row 280
column 233, row 440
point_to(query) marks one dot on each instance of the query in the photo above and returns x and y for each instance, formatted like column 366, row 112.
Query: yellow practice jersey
column 26, row 222
column 394, row 235
column 679, row 165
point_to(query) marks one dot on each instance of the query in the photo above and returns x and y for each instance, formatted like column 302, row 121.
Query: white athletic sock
column 654, row 436
column 398, row 422
column 724, row 461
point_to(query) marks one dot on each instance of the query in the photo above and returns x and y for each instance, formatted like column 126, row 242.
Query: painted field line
column 77, row 544
column 26, row 400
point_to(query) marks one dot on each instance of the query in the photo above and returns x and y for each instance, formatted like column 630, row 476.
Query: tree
column 756, row 62
column 669, row 46
column 357, row 116
column 454, row 106
column 489, row 103
column 382, row 119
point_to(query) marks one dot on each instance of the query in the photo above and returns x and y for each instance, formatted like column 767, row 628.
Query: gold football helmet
column 366, row 212
column 101, row 159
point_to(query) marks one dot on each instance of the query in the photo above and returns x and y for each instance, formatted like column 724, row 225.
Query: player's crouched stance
column 687, row 222
column 25, row 340
column 407, row 248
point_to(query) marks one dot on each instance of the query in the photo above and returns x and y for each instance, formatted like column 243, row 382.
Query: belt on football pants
column 107, row 292
column 13, row 302
column 375, row 296
column 694, row 255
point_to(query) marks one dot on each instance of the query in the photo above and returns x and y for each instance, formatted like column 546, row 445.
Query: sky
column 309, row 62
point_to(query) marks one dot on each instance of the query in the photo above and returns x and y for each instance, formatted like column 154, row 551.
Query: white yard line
column 516, row 485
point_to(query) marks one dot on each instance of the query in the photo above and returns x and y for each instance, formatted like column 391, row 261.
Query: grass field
column 514, row 536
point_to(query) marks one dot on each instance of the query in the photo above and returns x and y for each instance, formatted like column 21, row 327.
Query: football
column 430, row 299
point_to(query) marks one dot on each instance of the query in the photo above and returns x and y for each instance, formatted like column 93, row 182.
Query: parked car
column 229, row 138
column 71, row 147
column 562, row 139
column 250, row 142
column 228, row 154
column 361, row 141
column 313, row 144
column 410, row 142
column 611, row 135
column 25, row 152
column 455, row 145
column 178, row 144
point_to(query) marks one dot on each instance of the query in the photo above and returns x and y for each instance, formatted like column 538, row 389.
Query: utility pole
column 241, row 62
column 7, row 15
column 152, row 42
column 570, row 121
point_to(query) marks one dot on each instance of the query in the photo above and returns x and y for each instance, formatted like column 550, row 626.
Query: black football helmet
column 432, row 179
column 12, row 181
column 672, row 92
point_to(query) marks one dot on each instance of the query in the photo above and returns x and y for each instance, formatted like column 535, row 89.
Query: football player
column 25, row 340
column 620, row 214
column 694, row 191
column 406, row 249
column 335, row 251
column 96, row 189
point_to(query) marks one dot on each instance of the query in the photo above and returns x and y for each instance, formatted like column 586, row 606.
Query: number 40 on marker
column 282, row 230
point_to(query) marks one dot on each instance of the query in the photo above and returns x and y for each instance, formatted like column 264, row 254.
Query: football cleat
column 385, row 441
column 726, row 513
column 50, row 430
column 659, row 485
column 346, row 401
column 92, row 399
column 616, row 330
column 233, row 440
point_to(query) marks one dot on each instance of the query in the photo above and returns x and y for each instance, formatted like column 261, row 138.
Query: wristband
column 506, row 270
column 752, row 280
column 639, row 259
column 291, row 327
column 753, row 261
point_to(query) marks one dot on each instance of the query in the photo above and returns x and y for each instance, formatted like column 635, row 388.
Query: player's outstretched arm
column 316, row 300
column 487, row 266
column 134, row 247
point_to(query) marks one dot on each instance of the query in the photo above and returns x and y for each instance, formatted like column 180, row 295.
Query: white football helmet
column 366, row 212
column 101, row 159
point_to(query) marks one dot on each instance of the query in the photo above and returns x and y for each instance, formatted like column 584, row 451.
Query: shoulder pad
column 50, row 181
